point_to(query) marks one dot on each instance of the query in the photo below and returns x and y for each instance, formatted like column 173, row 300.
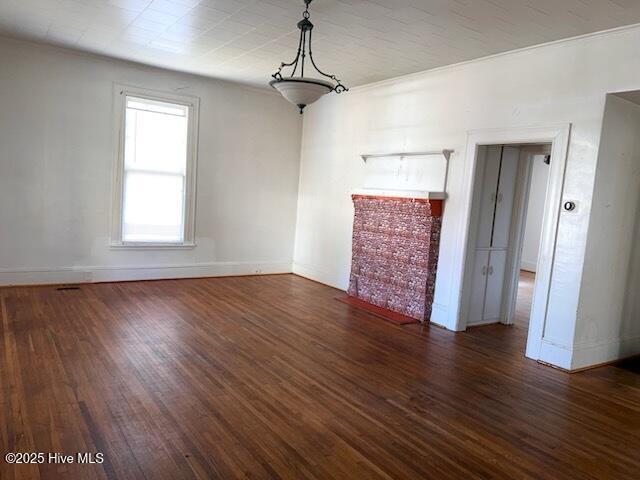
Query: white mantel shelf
column 444, row 152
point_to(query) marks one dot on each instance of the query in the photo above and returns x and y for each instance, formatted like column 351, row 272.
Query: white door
column 504, row 201
column 478, row 287
column 488, row 200
column 495, row 286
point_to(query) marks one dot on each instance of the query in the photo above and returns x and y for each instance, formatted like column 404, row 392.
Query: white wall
column 609, row 312
column 535, row 212
column 57, row 148
column 560, row 83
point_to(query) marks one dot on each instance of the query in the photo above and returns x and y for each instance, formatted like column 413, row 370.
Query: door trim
column 558, row 135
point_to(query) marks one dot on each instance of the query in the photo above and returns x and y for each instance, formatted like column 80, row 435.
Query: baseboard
column 601, row 353
column 43, row 276
column 528, row 266
column 119, row 273
column 555, row 355
column 589, row 355
column 481, row 323
column 313, row 273
column 439, row 315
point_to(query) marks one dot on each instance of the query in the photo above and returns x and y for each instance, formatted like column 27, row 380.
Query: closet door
column 495, row 284
column 488, row 200
column 505, row 196
column 478, row 287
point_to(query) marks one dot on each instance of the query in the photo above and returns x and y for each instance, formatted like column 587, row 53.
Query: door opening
column 505, row 232
column 536, row 191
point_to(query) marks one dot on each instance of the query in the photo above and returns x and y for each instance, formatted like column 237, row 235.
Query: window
column 156, row 170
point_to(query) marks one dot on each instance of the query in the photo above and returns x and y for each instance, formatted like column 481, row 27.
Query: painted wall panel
column 488, row 191
column 58, row 145
column 478, row 287
column 608, row 314
column 495, row 285
column 504, row 200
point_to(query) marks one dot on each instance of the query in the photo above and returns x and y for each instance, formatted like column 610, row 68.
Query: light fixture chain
column 304, row 49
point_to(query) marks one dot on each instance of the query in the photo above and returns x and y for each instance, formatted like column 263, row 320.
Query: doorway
column 510, row 189
column 538, row 348
column 539, row 165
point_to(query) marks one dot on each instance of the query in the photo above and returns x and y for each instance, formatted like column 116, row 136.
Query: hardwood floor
column 524, row 299
column 270, row 377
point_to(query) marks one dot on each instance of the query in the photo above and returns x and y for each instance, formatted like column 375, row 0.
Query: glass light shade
column 302, row 91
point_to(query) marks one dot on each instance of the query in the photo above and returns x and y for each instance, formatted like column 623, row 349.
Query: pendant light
column 301, row 90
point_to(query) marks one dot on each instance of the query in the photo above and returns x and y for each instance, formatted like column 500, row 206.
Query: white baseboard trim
column 439, row 315
column 119, row 273
column 556, row 355
column 317, row 275
column 597, row 353
column 479, row 323
column 528, row 266
column 43, row 276
column 590, row 354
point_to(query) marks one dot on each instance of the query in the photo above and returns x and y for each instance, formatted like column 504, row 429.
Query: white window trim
column 120, row 92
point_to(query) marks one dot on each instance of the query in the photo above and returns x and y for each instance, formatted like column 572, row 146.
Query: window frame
column 121, row 92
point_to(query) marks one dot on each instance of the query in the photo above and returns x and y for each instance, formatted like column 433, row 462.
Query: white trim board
column 312, row 273
column 554, row 354
column 119, row 273
column 438, row 315
column 607, row 351
column 558, row 135
column 588, row 355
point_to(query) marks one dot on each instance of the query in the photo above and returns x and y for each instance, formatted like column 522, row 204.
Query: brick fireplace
column 395, row 253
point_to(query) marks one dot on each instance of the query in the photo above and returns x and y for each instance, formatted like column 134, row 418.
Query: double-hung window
column 155, row 177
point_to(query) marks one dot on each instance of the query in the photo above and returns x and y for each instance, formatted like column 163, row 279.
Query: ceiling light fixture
column 301, row 90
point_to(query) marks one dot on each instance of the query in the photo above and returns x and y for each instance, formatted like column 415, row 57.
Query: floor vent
column 67, row 288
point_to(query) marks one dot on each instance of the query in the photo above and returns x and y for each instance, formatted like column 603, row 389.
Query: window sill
column 152, row 246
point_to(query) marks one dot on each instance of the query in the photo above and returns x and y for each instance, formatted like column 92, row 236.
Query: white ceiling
column 361, row 41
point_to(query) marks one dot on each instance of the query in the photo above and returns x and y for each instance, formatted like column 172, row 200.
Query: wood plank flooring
column 524, row 299
column 270, row 377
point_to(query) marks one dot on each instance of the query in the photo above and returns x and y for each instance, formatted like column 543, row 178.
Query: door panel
column 488, row 200
column 478, row 287
column 495, row 285
column 504, row 201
